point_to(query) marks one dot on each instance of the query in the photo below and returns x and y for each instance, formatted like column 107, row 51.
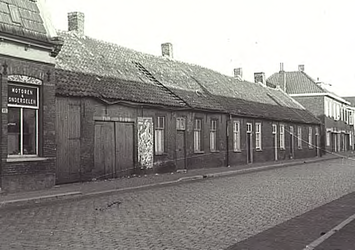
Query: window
column 351, row 119
column 310, row 141
column 236, row 136
column 14, row 14
column 213, row 136
column 197, row 135
column 282, row 136
column 274, row 128
column 249, row 128
column 299, row 137
column 180, row 123
column 258, row 136
column 328, row 138
column 159, row 135
column 22, row 120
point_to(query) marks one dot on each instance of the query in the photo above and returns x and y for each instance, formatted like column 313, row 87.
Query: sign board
column 19, row 95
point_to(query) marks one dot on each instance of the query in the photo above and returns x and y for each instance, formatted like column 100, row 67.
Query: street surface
column 209, row 214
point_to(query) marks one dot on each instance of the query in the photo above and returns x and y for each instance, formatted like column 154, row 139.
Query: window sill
column 258, row 150
column 300, row 148
column 26, row 159
column 214, row 151
column 199, row 152
column 237, row 151
column 283, row 149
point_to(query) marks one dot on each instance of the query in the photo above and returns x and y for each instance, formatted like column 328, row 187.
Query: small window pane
column 29, row 131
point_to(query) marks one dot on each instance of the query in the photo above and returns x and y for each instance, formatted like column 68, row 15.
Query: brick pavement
column 114, row 185
column 211, row 214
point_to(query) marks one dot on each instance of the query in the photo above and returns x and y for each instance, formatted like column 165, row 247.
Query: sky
column 255, row 35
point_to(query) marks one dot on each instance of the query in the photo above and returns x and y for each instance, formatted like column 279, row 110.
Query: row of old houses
column 76, row 108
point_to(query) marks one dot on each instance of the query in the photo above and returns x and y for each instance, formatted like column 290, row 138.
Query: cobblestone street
column 208, row 214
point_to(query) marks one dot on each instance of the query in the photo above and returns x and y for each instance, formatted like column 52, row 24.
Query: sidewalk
column 95, row 188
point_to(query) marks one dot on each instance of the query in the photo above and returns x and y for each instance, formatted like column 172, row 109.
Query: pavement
column 97, row 188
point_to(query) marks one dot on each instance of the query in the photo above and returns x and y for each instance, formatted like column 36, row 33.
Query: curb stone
column 76, row 194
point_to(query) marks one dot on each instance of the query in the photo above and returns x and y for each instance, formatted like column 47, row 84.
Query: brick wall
column 20, row 174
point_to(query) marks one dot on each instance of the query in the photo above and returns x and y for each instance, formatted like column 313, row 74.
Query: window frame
column 213, row 135
column 274, row 129
column 258, row 136
column 310, row 137
column 159, row 135
column 198, row 130
column 180, row 123
column 299, row 137
column 282, row 137
column 236, row 136
column 21, row 119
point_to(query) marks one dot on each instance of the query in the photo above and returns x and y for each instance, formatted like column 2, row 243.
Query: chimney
column 301, row 67
column 76, row 21
column 259, row 77
column 282, row 77
column 281, row 67
column 167, row 50
column 238, row 73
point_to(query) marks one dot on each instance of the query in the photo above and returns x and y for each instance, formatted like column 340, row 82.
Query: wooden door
column 292, row 141
column 180, row 150
column 124, row 148
column 275, row 146
column 249, row 148
column 104, row 149
column 68, row 168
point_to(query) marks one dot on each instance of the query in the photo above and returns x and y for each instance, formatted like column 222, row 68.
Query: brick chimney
column 282, row 78
column 167, row 50
column 76, row 21
column 301, row 67
column 259, row 77
column 238, row 73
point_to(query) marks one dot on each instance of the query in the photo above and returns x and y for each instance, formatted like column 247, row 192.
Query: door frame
column 274, row 132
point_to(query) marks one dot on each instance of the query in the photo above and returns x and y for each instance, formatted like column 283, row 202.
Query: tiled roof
column 71, row 83
column 297, row 82
column 198, row 87
column 22, row 18
column 350, row 99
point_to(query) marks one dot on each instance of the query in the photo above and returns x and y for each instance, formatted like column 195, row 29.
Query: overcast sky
column 224, row 34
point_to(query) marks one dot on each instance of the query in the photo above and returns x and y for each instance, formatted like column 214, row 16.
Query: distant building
column 335, row 112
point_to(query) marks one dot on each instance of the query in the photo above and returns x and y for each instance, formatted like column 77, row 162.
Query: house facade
column 123, row 112
column 335, row 113
column 27, row 51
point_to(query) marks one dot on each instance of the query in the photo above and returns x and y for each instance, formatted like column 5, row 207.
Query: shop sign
column 22, row 95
